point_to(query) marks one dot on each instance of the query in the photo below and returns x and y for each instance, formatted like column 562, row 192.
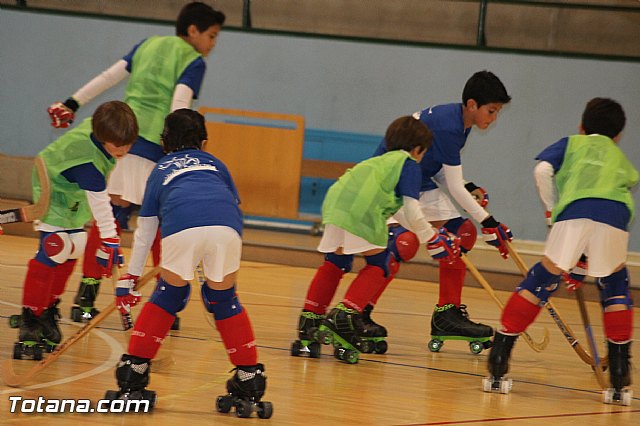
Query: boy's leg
column 89, row 286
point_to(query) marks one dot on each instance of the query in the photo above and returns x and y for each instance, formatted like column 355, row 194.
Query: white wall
column 336, row 85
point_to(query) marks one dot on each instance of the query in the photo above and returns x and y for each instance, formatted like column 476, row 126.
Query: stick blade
column 16, row 380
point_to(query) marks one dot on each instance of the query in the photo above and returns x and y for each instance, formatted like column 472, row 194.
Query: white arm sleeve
column 182, row 97
column 543, row 174
column 410, row 216
column 100, row 205
column 105, row 80
column 454, row 183
column 142, row 241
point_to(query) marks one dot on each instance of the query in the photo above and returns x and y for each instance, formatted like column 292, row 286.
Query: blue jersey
column 611, row 212
column 449, row 137
column 189, row 189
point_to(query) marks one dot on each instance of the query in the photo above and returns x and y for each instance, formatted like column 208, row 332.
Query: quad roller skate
column 245, row 389
column 619, row 374
column 132, row 374
column 51, row 334
column 29, row 344
column 375, row 332
column 307, row 342
column 452, row 323
column 499, row 364
column 343, row 328
column 84, row 300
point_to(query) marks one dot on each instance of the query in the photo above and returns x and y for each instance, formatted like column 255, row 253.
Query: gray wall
column 335, row 85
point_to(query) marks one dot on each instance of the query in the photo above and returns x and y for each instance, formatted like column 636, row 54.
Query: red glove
column 444, row 247
column 108, row 254
column 575, row 277
column 495, row 234
column 63, row 114
column 126, row 298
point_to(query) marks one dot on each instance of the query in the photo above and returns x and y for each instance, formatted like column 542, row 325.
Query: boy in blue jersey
column 354, row 212
column 164, row 73
column 78, row 164
column 594, row 206
column 191, row 197
column 482, row 98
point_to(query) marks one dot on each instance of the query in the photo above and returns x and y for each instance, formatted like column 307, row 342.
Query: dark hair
column 603, row 116
column 183, row 129
column 485, row 88
column 199, row 14
column 407, row 133
column 115, row 122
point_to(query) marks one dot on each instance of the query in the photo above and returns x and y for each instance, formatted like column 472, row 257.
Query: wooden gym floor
column 406, row 386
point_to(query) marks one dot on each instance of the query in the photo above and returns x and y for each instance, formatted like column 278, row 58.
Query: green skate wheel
column 347, row 355
column 15, row 320
column 265, row 410
column 224, row 403
column 435, row 345
column 475, row 347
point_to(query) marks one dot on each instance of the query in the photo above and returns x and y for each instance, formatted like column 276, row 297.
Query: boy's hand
column 126, row 298
column 495, row 234
column 444, row 246
column 479, row 194
column 575, row 277
column 547, row 216
column 109, row 253
column 63, row 114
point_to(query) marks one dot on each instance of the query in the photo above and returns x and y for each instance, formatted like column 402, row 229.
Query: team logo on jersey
column 183, row 164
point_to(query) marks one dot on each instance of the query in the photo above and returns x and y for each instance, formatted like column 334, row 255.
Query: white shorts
column 436, row 205
column 218, row 247
column 335, row 237
column 128, row 178
column 605, row 246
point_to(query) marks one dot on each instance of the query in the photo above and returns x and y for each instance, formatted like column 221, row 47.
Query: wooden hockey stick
column 14, row 380
column 483, row 282
column 597, row 363
column 39, row 208
column 555, row 315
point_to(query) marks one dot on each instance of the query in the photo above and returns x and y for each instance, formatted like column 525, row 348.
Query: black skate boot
column 51, row 334
column 307, row 342
column 245, row 390
column 84, row 300
column 375, row 331
column 451, row 323
column 344, row 328
column 499, row 363
column 619, row 373
column 29, row 344
column 132, row 374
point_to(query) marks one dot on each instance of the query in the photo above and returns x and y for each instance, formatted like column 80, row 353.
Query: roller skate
column 619, row 374
column 307, row 342
column 343, row 328
column 245, row 389
column 375, row 332
column 452, row 323
column 132, row 374
column 499, row 364
column 29, row 344
column 51, row 334
column 84, row 300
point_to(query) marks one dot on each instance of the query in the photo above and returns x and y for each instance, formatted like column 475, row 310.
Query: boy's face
column 116, row 151
column 483, row 116
column 205, row 41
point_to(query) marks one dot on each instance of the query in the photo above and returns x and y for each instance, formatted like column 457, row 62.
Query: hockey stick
column 597, row 362
column 14, row 380
column 39, row 208
column 562, row 325
column 483, row 282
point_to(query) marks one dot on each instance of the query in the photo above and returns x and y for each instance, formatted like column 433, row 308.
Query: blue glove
column 108, row 254
column 444, row 246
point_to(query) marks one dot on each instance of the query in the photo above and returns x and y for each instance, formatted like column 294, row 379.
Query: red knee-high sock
column 618, row 325
column 518, row 314
column 37, row 287
column 155, row 251
column 322, row 288
column 149, row 332
column 368, row 283
column 394, row 267
column 90, row 266
column 451, row 282
column 237, row 335
column 61, row 274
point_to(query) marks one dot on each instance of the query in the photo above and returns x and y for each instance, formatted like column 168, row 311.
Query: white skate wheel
column 486, row 384
column 505, row 386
